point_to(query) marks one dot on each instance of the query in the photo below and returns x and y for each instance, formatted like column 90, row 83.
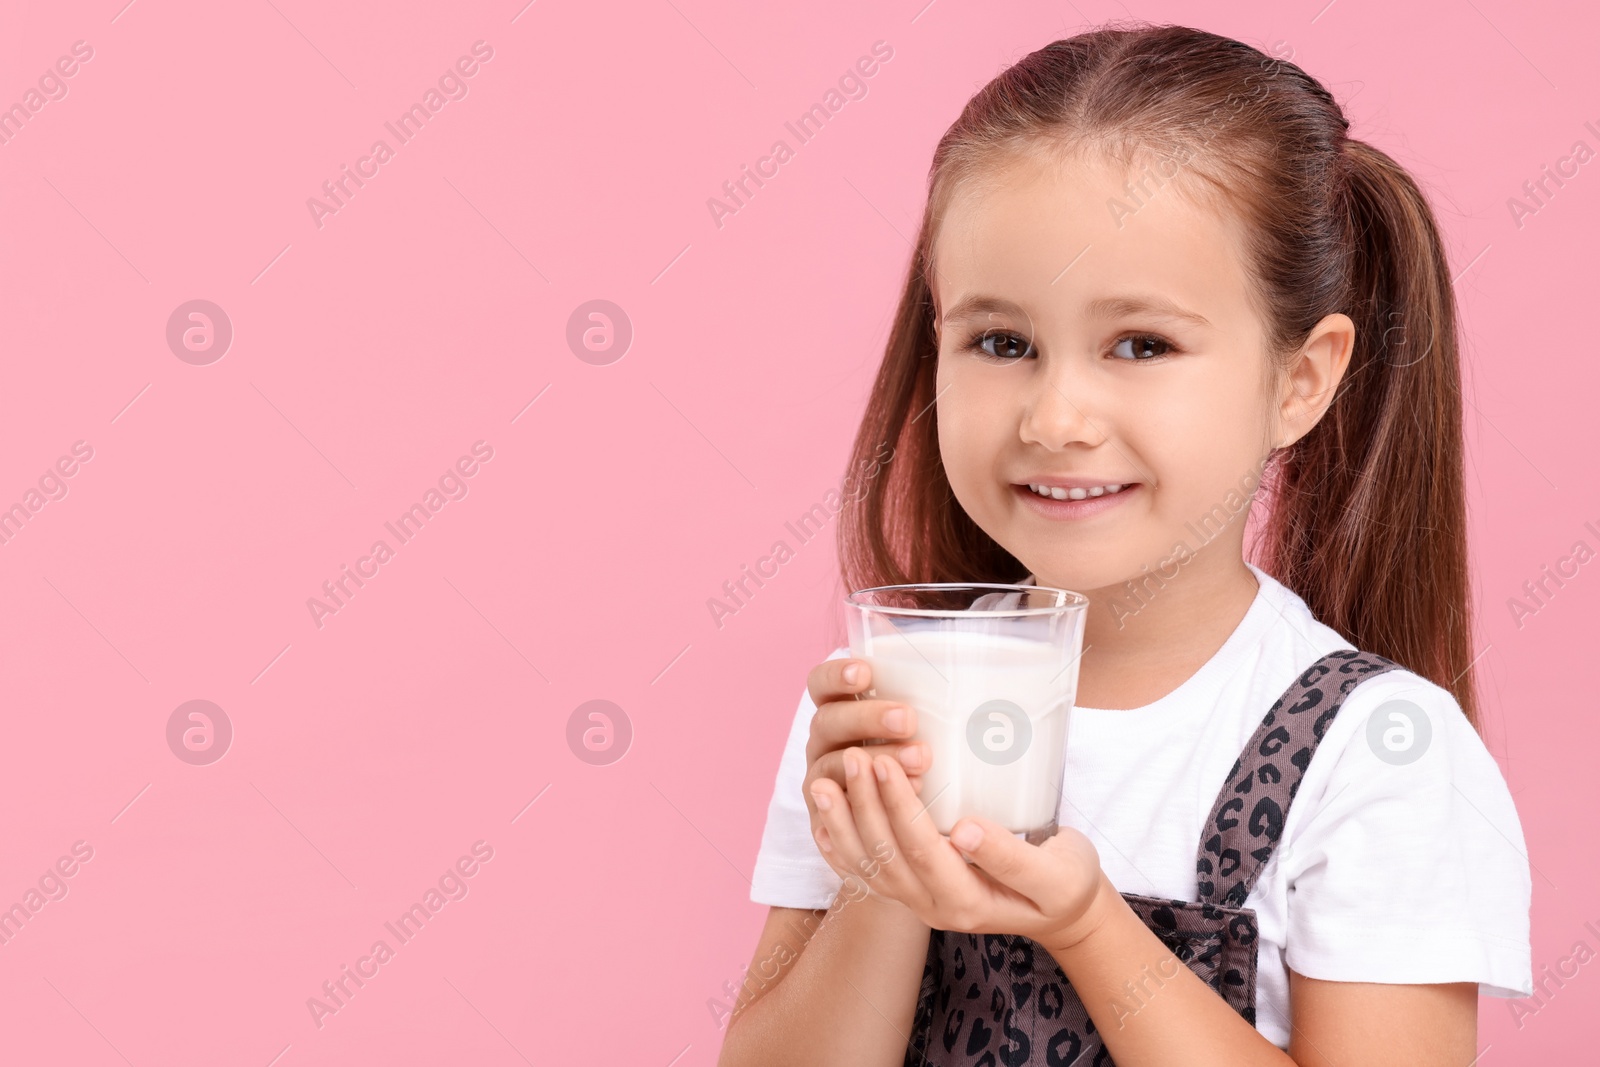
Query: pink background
column 369, row 354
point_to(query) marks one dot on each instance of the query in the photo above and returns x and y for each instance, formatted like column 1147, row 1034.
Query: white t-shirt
column 1408, row 873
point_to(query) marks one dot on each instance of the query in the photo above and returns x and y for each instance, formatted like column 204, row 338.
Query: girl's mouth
column 1059, row 503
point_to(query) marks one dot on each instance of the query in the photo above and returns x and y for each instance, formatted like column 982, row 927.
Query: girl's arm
column 1147, row 1019
column 1380, row 1023
column 849, row 997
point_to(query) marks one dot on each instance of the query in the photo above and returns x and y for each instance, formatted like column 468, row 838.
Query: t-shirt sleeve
column 790, row 871
column 1408, row 864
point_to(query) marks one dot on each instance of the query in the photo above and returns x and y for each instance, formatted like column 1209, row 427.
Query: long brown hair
column 1366, row 512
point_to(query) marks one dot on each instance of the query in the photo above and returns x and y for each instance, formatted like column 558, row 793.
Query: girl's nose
column 1060, row 409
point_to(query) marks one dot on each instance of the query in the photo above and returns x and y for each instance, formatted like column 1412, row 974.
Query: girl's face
column 1084, row 345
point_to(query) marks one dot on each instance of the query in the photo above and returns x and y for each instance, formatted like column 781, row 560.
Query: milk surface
column 1000, row 767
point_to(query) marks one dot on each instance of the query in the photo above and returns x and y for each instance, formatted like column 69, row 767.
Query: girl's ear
column 1313, row 378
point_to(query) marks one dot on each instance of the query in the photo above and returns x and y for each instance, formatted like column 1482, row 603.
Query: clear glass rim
column 1067, row 600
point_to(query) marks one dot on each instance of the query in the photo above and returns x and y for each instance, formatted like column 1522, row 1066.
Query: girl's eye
column 1145, row 348
column 1003, row 346
column 1007, row 347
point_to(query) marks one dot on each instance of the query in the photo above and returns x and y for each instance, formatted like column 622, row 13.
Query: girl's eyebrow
column 1113, row 306
column 1104, row 307
column 980, row 305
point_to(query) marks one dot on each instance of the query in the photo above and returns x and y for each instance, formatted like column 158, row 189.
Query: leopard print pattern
column 1239, row 858
column 1001, row 1000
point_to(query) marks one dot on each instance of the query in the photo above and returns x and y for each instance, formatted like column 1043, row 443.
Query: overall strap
column 1248, row 816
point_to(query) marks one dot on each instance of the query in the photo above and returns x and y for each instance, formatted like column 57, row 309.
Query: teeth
column 1059, row 493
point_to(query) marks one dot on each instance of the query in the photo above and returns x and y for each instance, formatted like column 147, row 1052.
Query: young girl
column 1154, row 274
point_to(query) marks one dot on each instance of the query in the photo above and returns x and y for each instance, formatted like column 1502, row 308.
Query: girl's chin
column 1099, row 579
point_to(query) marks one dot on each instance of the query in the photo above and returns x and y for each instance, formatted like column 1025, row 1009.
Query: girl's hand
column 1054, row 893
column 842, row 720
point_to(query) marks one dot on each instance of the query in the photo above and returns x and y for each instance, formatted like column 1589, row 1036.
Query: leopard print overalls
column 1001, row 1000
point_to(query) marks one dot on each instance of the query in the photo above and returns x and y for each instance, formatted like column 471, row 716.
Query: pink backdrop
column 368, row 747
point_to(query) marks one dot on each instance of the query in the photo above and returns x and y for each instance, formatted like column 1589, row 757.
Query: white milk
column 946, row 676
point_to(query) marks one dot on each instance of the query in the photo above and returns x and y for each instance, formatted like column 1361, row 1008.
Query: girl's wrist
column 1103, row 908
column 889, row 909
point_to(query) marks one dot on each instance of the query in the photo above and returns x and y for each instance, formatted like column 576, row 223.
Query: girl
column 1154, row 274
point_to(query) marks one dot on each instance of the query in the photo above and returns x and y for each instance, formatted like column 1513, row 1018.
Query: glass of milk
column 992, row 671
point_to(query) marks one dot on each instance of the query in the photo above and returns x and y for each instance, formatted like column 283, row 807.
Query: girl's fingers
column 923, row 849
column 885, row 872
column 913, row 756
column 836, row 825
column 840, row 723
column 838, row 679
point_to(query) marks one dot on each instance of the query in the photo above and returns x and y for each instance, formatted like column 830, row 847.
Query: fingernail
column 823, row 802
column 894, row 720
column 852, row 674
column 849, row 765
column 881, row 769
column 911, row 758
column 968, row 836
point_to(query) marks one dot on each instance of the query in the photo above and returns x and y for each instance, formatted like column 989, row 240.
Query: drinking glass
column 992, row 671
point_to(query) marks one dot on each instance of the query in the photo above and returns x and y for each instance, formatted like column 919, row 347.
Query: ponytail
column 1368, row 523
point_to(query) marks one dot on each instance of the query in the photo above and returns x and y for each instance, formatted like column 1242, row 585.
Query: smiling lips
column 1077, row 492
